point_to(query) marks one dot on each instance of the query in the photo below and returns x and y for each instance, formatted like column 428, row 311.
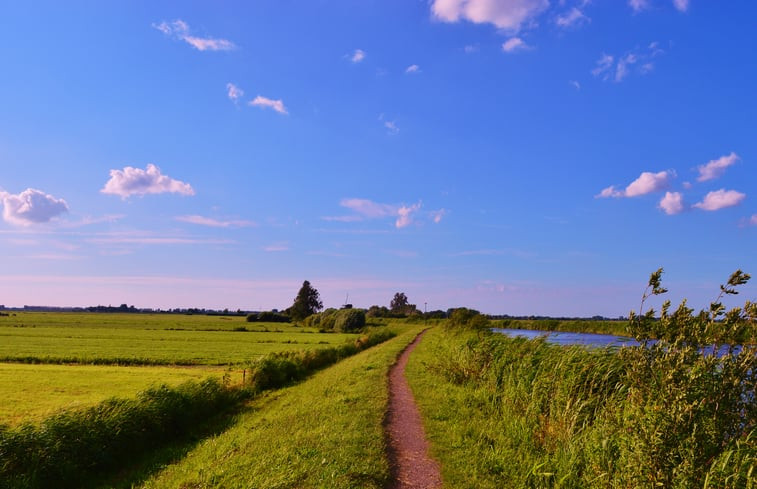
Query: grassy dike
column 323, row 433
column 515, row 413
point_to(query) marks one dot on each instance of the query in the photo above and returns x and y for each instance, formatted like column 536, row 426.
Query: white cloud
column 471, row 48
column 209, row 221
column 509, row 15
column 681, row 5
column 715, row 168
column 575, row 84
column 571, row 18
column 234, row 92
column 391, row 127
column 720, row 199
column 135, row 181
column 405, row 215
column 638, row 5
column 179, row 29
column 514, row 44
column 413, row 69
column 280, row 246
column 621, row 70
column 264, row 102
column 647, row 182
column 437, row 216
column 753, row 220
column 672, row 203
column 368, row 208
column 357, row 56
column 31, row 207
column 604, row 63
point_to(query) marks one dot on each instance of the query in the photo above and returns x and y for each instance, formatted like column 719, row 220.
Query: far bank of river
column 564, row 338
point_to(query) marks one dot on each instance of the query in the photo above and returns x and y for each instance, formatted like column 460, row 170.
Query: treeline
column 77, row 448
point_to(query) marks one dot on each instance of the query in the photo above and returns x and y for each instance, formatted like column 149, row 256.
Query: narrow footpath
column 412, row 467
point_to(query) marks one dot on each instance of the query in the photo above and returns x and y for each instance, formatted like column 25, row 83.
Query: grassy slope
column 33, row 392
column 325, row 432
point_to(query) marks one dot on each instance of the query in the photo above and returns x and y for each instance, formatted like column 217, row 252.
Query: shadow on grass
column 145, row 465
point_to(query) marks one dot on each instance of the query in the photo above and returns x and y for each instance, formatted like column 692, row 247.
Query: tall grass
column 510, row 412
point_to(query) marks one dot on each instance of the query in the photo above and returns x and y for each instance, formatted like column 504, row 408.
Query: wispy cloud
column 715, row 168
column 572, row 18
column 681, row 5
column 638, row 5
column 391, row 127
column 234, row 92
column 367, row 209
column 135, row 181
column 647, row 182
column 216, row 223
column 157, row 240
column 640, row 60
column 753, row 220
column 275, row 247
column 178, row 29
column 471, row 48
column 437, row 216
column 413, row 69
column 515, row 44
column 509, row 15
column 672, row 203
column 31, row 207
column 575, row 84
column 357, row 56
column 720, row 199
column 264, row 102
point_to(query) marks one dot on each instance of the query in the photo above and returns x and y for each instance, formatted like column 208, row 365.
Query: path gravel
column 412, row 467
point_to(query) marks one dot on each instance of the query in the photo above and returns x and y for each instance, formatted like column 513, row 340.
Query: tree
column 306, row 303
column 399, row 303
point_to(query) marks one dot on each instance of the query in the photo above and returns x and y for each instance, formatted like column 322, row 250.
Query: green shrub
column 349, row 320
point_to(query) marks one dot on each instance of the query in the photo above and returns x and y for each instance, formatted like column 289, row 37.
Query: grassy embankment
column 503, row 412
column 75, row 448
column 323, row 433
column 616, row 327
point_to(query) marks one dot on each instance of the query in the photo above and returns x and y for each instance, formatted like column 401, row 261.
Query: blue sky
column 516, row 156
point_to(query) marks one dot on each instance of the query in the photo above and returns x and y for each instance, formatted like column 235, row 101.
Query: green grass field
column 195, row 322
column 30, row 393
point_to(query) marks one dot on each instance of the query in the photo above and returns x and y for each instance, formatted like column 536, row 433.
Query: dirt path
column 412, row 467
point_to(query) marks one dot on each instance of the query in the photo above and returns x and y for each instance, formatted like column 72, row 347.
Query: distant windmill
column 347, row 304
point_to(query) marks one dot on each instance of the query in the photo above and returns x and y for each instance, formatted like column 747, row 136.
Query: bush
column 70, row 447
column 268, row 317
column 349, row 320
column 464, row 318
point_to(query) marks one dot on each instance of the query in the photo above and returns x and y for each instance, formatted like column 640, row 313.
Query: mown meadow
column 106, row 443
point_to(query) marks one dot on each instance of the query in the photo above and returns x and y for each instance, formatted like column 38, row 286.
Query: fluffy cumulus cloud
column 514, row 44
column 753, row 220
column 178, row 29
column 136, row 181
column 510, row 15
column 720, row 199
column 267, row 103
column 215, row 223
column 715, row 168
column 31, row 207
column 647, row 183
column 672, row 203
column 413, row 69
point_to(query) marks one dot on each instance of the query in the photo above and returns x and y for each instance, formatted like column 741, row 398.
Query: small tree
column 307, row 302
column 400, row 304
